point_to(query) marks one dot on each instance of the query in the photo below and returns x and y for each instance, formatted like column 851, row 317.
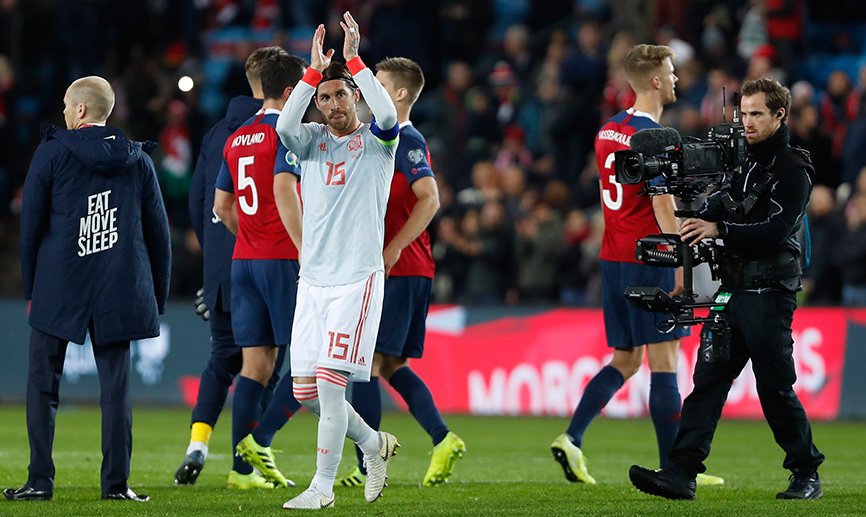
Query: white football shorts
column 335, row 327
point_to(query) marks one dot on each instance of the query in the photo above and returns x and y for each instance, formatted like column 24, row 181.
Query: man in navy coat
column 214, row 304
column 95, row 255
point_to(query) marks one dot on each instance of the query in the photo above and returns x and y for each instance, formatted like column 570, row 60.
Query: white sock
column 333, row 421
column 359, row 432
column 197, row 446
column 308, row 396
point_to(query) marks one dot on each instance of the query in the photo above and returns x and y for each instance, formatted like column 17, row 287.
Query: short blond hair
column 643, row 62
column 407, row 74
column 94, row 92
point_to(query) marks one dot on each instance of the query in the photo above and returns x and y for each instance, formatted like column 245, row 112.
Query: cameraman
column 757, row 216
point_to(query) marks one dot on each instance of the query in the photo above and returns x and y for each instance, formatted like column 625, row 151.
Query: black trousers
column 47, row 354
column 761, row 331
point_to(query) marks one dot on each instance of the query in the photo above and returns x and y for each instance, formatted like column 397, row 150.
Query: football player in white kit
column 346, row 177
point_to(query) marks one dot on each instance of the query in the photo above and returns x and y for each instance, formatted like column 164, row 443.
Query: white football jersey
column 345, row 183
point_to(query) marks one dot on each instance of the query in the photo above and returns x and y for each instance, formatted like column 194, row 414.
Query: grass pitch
column 507, row 470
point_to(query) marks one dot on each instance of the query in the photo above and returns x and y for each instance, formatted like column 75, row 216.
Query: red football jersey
column 412, row 162
column 253, row 155
column 628, row 213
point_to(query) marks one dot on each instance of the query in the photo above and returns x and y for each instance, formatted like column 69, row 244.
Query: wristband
column 355, row 65
column 312, row 77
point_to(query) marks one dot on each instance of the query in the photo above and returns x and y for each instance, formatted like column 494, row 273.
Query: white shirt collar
column 640, row 113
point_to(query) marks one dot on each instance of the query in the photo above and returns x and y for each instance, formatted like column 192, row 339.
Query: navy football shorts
column 627, row 326
column 263, row 301
column 404, row 316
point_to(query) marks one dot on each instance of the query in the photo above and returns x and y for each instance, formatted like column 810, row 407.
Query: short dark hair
column 280, row 71
column 253, row 65
column 338, row 70
column 407, row 74
column 778, row 96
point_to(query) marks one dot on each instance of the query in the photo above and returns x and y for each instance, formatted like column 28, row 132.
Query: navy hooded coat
column 95, row 245
column 216, row 241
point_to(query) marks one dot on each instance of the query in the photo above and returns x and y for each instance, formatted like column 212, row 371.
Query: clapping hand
column 352, row 39
column 319, row 60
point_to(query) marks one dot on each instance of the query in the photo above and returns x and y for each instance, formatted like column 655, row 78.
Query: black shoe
column 127, row 495
column 26, row 493
column 803, row 486
column 669, row 483
column 189, row 470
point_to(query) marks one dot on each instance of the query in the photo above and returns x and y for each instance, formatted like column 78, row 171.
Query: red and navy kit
column 628, row 213
column 411, row 163
column 252, row 156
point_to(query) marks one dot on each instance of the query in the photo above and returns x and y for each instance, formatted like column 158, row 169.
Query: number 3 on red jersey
column 612, row 202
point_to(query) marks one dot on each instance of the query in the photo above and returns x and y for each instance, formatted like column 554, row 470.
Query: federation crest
column 415, row 156
column 356, row 143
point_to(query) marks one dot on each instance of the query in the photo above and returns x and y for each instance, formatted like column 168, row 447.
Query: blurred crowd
column 516, row 90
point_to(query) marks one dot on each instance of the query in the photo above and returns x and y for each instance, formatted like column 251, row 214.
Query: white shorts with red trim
column 335, row 327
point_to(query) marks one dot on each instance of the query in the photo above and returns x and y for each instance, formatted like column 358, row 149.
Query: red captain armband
column 355, row 65
column 312, row 77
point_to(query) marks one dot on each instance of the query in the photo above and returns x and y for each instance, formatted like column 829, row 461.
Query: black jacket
column 94, row 237
column 216, row 241
column 773, row 224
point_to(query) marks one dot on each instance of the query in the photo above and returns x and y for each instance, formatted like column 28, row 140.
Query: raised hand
column 319, row 60
column 352, row 39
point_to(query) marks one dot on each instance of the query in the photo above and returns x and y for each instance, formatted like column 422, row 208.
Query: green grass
column 508, row 469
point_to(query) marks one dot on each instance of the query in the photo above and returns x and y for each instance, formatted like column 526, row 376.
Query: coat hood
column 239, row 110
column 103, row 149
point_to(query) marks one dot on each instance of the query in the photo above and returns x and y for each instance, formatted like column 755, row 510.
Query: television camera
column 665, row 164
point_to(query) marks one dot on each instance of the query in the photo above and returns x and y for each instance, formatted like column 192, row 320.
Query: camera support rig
column 668, row 250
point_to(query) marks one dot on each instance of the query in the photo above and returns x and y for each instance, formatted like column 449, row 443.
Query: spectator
column 513, row 150
column 753, row 29
column 850, row 253
column 484, row 187
column 489, row 248
column 573, row 270
column 806, row 133
column 822, row 282
column 447, row 115
column 175, row 167
column 539, row 245
column 834, row 108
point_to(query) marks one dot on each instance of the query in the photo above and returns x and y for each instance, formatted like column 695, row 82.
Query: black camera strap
column 739, row 209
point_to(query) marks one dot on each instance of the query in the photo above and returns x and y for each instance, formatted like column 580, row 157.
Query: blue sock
column 245, row 416
column 271, row 388
column 420, row 402
column 597, row 394
column 283, row 405
column 664, row 408
column 367, row 401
